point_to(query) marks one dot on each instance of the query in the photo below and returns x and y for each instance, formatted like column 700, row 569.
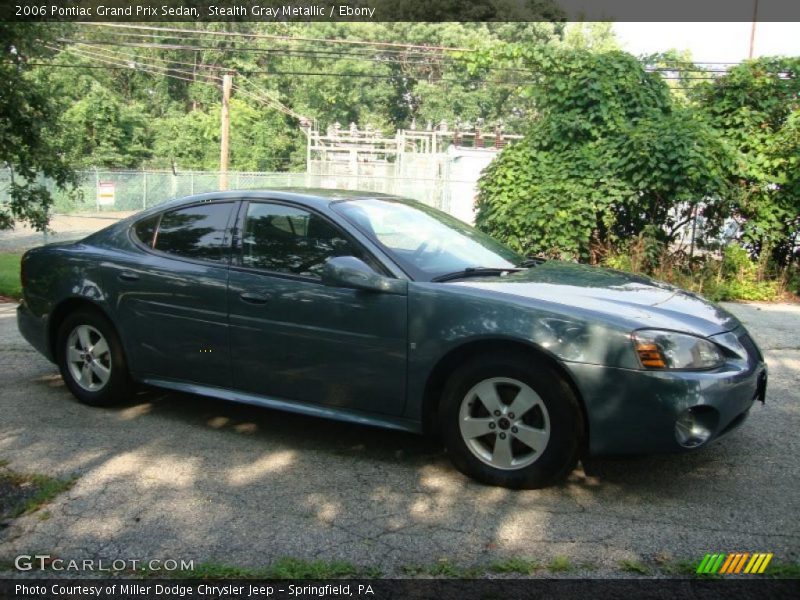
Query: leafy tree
column 756, row 106
column 609, row 156
column 29, row 125
column 259, row 141
column 99, row 130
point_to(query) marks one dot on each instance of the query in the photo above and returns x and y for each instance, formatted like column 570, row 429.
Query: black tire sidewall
column 566, row 422
column 118, row 386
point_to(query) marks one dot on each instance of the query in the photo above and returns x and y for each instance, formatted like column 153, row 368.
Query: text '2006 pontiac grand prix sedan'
column 382, row 311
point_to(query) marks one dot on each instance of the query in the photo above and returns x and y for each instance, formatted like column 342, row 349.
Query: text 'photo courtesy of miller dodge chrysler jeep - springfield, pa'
column 386, row 312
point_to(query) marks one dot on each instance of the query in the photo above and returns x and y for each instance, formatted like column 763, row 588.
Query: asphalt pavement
column 183, row 477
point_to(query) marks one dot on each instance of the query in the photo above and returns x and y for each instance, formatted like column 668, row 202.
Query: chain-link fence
column 105, row 195
column 125, row 191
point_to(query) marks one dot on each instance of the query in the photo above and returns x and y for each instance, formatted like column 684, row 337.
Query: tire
column 548, row 418
column 98, row 377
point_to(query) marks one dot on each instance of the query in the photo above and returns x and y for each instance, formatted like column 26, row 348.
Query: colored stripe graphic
column 702, row 566
column 765, row 563
column 729, row 563
column 714, row 565
column 734, row 562
column 740, row 564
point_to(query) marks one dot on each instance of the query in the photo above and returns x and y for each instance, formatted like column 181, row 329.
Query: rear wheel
column 91, row 360
column 512, row 422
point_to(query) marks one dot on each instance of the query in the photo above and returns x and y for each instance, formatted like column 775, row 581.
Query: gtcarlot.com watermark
column 47, row 562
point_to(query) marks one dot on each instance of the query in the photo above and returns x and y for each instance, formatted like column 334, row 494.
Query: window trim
column 237, row 248
column 227, row 236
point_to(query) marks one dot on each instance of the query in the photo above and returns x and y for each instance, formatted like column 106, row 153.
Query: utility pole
column 227, row 83
column 753, row 29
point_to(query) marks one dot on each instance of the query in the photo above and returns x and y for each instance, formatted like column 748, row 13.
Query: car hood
column 630, row 300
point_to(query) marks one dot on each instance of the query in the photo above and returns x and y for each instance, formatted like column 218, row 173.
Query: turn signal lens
column 650, row 355
column 659, row 349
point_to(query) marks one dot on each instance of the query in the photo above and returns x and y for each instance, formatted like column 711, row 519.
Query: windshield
column 426, row 242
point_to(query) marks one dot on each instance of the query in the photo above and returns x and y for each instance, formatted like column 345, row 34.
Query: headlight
column 669, row 350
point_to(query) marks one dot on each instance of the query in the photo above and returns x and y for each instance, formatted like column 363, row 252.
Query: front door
column 293, row 337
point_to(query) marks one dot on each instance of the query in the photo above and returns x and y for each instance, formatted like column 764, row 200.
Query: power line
column 280, row 37
column 362, row 75
column 420, row 49
column 384, row 45
column 366, row 52
column 158, row 58
column 135, row 66
column 335, row 55
column 438, row 61
column 261, row 95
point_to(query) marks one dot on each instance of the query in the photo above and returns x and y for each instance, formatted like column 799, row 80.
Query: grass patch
column 9, row 275
column 295, row 568
column 522, row 566
column 634, row 566
column 6, row 565
column 560, row 564
column 686, row 568
column 212, row 570
column 284, row 568
column 783, row 570
column 22, row 493
column 444, row 568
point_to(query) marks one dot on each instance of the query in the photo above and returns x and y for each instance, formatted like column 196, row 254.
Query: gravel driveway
column 179, row 476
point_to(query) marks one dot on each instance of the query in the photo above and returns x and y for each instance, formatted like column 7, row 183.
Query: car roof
column 314, row 197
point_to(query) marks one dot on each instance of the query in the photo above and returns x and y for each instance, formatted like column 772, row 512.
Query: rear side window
column 146, row 230
column 195, row 232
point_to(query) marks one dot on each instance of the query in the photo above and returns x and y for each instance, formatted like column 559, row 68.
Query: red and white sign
column 105, row 193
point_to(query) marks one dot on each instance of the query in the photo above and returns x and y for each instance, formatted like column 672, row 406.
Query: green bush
column 735, row 277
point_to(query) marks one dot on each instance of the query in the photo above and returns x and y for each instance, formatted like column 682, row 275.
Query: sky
column 710, row 42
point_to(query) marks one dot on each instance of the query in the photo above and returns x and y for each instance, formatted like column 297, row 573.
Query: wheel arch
column 65, row 308
column 435, row 383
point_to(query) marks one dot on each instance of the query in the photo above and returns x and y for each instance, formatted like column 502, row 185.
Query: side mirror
column 354, row 273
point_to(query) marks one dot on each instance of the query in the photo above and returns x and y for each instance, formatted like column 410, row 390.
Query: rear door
column 293, row 337
column 173, row 298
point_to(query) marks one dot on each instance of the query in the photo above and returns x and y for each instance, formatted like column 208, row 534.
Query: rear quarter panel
column 58, row 273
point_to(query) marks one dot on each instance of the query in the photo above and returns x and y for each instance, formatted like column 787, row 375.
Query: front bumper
column 635, row 411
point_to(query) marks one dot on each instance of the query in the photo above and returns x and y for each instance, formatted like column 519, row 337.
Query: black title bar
column 397, row 589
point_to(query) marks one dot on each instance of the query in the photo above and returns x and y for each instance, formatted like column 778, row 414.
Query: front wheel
column 512, row 422
column 91, row 359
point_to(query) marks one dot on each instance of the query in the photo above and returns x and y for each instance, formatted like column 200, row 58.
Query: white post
column 97, row 189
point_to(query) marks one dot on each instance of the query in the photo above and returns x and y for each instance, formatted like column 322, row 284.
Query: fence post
column 96, row 189
column 144, row 189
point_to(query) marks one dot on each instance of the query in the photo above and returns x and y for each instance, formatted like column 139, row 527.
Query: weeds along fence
column 134, row 190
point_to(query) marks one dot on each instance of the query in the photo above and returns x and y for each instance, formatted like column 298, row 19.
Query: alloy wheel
column 504, row 423
column 88, row 358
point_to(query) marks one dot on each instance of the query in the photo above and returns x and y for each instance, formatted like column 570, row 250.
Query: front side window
column 285, row 239
column 195, row 232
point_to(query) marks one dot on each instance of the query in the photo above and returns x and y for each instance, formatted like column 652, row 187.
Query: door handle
column 253, row 298
column 128, row 276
